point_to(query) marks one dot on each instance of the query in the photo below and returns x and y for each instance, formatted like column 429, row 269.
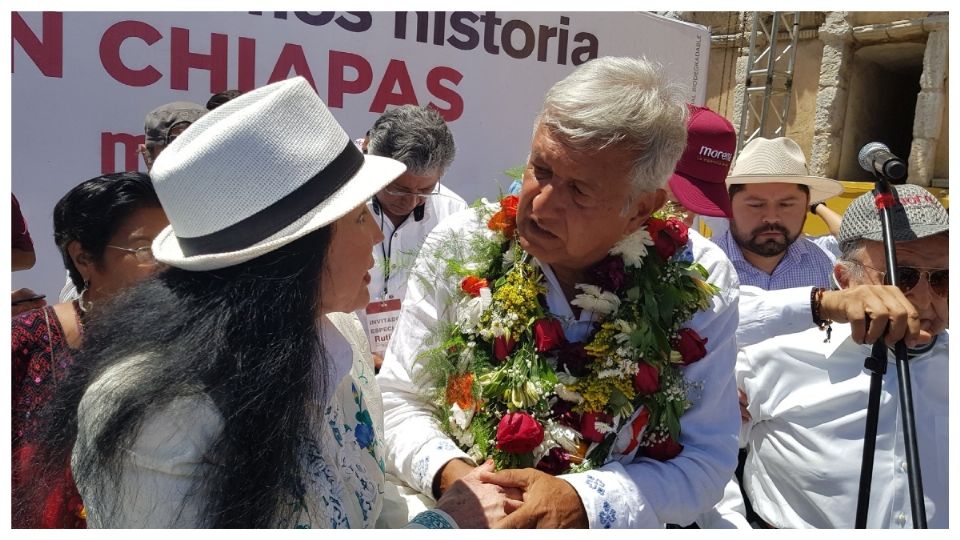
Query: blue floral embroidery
column 364, row 434
column 686, row 255
column 420, row 470
column 596, row 484
column 445, row 444
column 607, row 515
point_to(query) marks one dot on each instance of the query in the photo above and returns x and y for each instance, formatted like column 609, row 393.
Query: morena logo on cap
column 706, row 151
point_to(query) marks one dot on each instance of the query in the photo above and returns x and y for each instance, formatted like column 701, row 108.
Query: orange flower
column 505, row 220
column 460, row 391
column 472, row 285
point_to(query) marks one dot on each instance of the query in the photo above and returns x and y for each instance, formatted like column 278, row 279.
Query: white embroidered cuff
column 611, row 499
column 431, row 458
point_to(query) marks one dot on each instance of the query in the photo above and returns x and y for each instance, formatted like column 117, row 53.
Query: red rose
column 690, row 345
column 654, row 226
column 588, row 425
column 502, row 347
column 557, row 461
column 574, row 358
column 647, row 379
column 547, row 335
column 677, row 231
column 518, row 433
column 663, row 450
column 664, row 245
column 667, row 235
column 562, row 413
column 472, row 285
column 609, row 274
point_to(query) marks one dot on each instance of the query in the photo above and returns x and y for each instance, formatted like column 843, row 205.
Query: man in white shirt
column 595, row 174
column 808, row 396
column 406, row 210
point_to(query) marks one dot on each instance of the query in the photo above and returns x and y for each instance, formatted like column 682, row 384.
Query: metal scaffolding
column 769, row 75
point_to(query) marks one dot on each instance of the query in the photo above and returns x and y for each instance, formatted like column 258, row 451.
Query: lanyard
column 386, row 256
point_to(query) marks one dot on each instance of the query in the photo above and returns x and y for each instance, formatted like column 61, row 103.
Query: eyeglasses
column 144, row 254
column 404, row 193
column 908, row 277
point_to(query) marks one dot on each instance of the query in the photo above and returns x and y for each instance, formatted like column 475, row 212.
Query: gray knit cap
column 915, row 214
column 160, row 121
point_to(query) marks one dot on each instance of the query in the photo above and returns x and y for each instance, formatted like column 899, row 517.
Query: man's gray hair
column 851, row 253
column 610, row 101
column 414, row 135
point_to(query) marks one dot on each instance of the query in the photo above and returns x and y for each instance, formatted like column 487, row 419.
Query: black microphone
column 876, row 158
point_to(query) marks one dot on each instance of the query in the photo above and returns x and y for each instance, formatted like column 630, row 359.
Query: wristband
column 813, row 207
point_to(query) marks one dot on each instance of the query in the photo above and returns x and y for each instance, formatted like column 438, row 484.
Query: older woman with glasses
column 103, row 228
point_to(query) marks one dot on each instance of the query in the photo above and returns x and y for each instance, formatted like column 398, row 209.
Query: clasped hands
column 478, row 497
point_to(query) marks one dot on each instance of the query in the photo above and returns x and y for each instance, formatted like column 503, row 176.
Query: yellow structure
column 851, row 190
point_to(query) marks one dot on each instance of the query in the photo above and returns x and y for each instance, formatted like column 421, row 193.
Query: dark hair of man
column 246, row 336
column 91, row 213
column 737, row 188
column 220, row 98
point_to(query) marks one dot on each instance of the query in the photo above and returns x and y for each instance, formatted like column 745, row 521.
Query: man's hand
column 871, row 309
column 25, row 300
column 454, row 470
column 478, row 505
column 548, row 502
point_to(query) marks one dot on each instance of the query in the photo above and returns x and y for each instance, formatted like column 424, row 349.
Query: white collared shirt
column 808, row 402
column 644, row 493
column 401, row 244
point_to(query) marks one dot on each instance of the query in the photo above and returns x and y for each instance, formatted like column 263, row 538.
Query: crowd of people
column 278, row 325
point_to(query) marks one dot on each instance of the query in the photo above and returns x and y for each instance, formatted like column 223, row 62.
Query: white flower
column 603, row 427
column 566, row 394
column 543, row 449
column 475, row 454
column 566, row 437
column 596, row 300
column 465, row 438
column 461, row 417
column 509, row 256
column 609, row 373
column 633, row 248
column 469, row 310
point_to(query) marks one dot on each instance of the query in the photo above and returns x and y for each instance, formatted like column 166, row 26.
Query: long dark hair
column 247, row 337
column 91, row 212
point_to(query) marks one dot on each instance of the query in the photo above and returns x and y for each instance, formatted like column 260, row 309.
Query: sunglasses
column 908, row 277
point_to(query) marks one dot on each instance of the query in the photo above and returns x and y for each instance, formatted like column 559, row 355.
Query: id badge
column 382, row 318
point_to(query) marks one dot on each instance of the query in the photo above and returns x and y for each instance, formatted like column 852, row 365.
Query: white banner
column 83, row 82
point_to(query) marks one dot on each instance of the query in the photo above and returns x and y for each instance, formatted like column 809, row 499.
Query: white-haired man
column 808, row 396
column 605, row 142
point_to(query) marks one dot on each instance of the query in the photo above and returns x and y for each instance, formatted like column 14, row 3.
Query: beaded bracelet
column 816, row 299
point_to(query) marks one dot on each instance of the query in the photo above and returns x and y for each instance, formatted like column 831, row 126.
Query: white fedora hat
column 257, row 173
column 779, row 160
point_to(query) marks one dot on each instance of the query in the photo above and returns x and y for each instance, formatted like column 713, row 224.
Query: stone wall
column 822, row 88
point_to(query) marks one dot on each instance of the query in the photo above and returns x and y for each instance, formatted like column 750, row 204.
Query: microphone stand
column 877, row 364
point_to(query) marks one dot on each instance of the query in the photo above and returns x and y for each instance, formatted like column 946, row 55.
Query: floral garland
column 510, row 386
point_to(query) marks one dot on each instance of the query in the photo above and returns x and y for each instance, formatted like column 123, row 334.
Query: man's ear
column 363, row 145
column 81, row 259
column 841, row 272
column 644, row 205
column 145, row 154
